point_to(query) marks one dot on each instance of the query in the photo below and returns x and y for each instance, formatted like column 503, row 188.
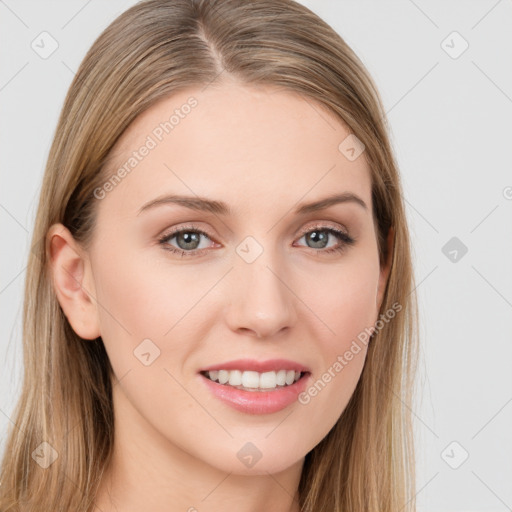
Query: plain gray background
column 451, row 117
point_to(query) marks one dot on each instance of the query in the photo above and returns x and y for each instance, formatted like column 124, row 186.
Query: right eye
column 187, row 239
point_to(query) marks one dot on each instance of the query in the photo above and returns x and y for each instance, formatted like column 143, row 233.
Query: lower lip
column 257, row 402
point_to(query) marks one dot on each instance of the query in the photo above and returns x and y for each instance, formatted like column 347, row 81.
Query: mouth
column 250, row 380
column 256, row 387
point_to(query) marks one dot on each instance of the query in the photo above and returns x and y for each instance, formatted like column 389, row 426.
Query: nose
column 262, row 303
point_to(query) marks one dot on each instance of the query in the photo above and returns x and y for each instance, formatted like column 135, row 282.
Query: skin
column 262, row 151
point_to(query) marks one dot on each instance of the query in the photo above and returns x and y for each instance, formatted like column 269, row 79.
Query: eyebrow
column 220, row 208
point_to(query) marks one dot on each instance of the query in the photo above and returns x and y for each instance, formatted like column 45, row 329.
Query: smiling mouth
column 254, row 381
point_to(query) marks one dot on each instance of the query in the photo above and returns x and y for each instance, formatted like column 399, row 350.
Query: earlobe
column 72, row 282
column 385, row 270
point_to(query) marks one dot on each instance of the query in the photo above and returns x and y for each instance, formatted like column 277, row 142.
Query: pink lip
column 257, row 402
column 259, row 366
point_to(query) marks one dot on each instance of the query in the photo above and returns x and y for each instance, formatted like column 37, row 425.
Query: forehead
column 243, row 144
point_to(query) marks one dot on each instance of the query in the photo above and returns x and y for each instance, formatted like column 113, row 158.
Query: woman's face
column 255, row 274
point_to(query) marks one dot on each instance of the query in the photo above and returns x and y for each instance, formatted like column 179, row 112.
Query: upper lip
column 258, row 366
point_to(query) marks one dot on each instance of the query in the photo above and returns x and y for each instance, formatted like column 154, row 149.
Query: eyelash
column 346, row 240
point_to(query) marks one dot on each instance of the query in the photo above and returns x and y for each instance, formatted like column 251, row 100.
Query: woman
column 218, row 311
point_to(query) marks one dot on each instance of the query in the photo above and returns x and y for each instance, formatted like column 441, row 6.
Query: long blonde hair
column 366, row 463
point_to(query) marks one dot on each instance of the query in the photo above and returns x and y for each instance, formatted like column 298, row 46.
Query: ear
column 73, row 282
column 385, row 269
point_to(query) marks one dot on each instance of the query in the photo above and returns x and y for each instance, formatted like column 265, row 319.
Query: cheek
column 345, row 301
column 345, row 298
column 144, row 298
column 129, row 297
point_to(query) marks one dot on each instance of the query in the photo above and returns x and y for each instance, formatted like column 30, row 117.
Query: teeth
column 254, row 380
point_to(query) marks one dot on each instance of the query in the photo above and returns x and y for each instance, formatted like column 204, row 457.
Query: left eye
column 320, row 237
